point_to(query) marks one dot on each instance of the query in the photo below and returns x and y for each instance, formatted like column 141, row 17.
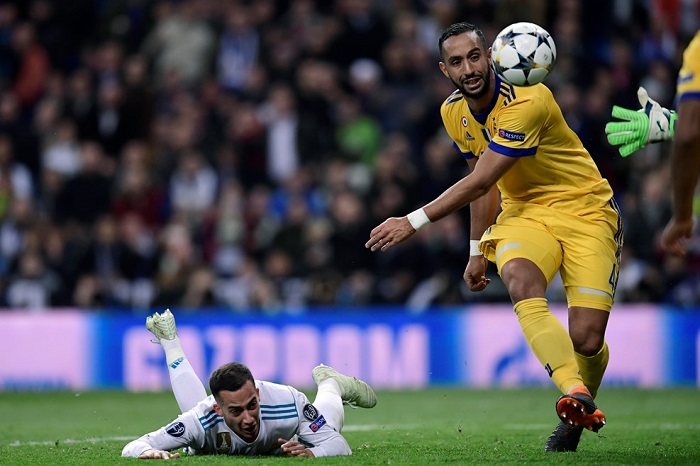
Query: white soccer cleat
column 355, row 392
column 162, row 326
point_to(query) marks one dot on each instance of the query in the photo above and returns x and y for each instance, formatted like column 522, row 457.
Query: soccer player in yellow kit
column 653, row 123
column 558, row 215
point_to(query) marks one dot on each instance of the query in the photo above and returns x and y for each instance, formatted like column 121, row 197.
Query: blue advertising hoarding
column 475, row 346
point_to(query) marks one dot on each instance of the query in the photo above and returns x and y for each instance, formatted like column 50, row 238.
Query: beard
column 478, row 93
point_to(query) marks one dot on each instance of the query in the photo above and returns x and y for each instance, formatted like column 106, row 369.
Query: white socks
column 330, row 404
column 187, row 387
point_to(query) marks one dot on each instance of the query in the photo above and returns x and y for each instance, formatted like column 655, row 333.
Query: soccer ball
column 523, row 54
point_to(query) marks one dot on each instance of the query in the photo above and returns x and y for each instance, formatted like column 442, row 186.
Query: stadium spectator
column 34, row 286
column 16, row 180
column 33, row 66
column 72, row 204
column 238, row 47
column 243, row 416
column 181, row 43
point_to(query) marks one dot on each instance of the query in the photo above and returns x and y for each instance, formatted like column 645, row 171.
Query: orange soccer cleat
column 578, row 409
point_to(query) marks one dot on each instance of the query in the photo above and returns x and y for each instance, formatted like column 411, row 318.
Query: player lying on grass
column 244, row 416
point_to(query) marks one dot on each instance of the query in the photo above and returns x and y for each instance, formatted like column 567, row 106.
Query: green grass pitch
column 426, row 427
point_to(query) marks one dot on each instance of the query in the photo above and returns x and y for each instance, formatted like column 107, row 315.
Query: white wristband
column 418, row 219
column 474, row 248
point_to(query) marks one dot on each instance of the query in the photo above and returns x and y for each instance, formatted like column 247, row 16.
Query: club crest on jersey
column 510, row 135
column 310, row 412
column 223, row 442
column 317, row 424
column 176, row 429
column 464, row 121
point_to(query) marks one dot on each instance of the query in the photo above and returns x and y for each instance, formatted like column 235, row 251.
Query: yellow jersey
column 688, row 85
column 554, row 169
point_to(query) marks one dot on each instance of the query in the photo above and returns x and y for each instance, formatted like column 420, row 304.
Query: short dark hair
column 457, row 29
column 230, row 377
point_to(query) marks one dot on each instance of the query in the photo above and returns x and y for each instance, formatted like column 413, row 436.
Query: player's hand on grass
column 651, row 123
column 158, row 455
column 294, row 448
column 674, row 235
column 390, row 233
column 475, row 273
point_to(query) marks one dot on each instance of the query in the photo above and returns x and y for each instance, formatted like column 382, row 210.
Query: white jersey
column 285, row 412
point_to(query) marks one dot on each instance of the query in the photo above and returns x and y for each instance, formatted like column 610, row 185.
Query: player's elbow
column 481, row 188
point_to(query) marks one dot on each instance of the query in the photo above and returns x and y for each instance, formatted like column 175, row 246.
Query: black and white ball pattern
column 523, row 54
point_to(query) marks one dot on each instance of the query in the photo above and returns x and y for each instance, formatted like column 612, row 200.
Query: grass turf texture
column 437, row 426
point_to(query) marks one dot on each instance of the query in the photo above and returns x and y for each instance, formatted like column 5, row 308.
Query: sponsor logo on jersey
column 176, row 429
column 468, row 136
column 310, row 412
column 464, row 121
column 505, row 134
column 317, row 424
column 176, row 362
column 223, row 442
column 684, row 78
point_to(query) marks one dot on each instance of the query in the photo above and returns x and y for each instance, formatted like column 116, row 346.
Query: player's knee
column 587, row 343
column 523, row 279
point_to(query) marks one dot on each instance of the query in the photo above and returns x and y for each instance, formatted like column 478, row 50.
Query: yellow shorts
column 584, row 249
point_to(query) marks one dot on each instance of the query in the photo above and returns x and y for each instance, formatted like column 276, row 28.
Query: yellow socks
column 593, row 367
column 550, row 342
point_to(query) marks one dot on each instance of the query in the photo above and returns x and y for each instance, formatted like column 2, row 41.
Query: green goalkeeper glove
column 651, row 123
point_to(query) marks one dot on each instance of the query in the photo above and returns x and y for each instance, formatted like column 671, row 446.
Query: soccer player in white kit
column 244, row 416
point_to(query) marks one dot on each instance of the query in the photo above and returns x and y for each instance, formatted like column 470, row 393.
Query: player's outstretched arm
column 395, row 230
column 651, row 123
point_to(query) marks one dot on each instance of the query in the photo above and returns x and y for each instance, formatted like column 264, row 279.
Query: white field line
column 350, row 428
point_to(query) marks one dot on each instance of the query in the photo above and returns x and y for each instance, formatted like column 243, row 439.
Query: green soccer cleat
column 355, row 392
column 578, row 409
column 565, row 437
column 162, row 326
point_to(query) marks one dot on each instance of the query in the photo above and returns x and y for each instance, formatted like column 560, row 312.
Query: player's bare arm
column 482, row 215
column 685, row 169
column 294, row 448
column 490, row 168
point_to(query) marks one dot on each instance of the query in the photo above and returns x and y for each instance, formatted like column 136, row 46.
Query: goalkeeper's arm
column 651, row 123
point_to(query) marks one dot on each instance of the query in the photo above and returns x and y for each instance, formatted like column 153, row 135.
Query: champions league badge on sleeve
column 310, row 412
column 176, row 429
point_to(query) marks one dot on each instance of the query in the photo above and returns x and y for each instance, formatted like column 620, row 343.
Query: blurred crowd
column 237, row 153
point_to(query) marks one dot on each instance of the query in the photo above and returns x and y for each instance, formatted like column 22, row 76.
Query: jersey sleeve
column 452, row 122
column 519, row 125
column 315, row 433
column 688, row 85
column 185, row 431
